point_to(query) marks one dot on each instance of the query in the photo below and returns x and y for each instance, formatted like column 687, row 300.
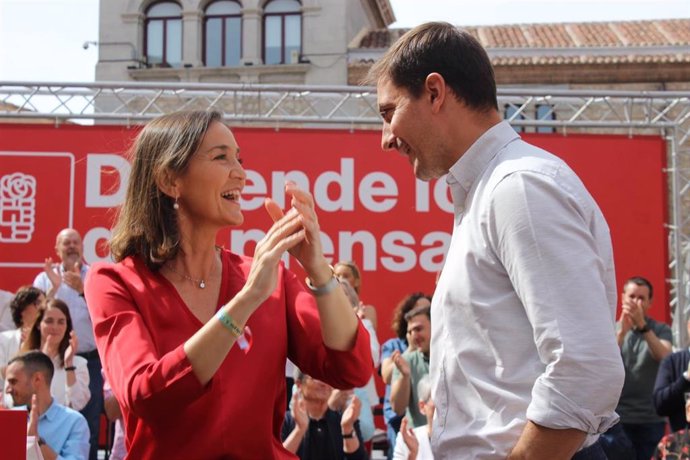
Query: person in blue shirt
column 62, row 432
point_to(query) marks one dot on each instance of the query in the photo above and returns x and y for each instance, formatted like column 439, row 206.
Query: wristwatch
column 349, row 435
column 643, row 329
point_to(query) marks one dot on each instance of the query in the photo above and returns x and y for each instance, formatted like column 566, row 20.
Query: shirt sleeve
column 77, row 395
column 555, row 246
column 340, row 369
column 373, row 341
column 76, row 445
column 142, row 379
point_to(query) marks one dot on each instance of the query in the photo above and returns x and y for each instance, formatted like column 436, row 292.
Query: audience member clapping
column 349, row 271
column 413, row 443
column 399, row 343
column 62, row 433
column 313, row 431
column 53, row 335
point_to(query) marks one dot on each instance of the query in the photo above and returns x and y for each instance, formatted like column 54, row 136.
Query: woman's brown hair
column 146, row 225
column 33, row 340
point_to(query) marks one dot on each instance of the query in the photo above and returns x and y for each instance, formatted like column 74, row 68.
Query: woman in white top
column 53, row 335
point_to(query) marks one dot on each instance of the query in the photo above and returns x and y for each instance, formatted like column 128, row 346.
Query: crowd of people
column 517, row 354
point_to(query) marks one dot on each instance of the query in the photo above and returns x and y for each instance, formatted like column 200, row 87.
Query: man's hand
column 410, row 439
column 401, row 363
column 52, row 273
column 32, row 427
column 72, row 278
column 350, row 415
column 299, row 412
column 634, row 312
column 338, row 399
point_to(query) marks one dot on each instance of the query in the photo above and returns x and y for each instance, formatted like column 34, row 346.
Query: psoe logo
column 36, row 202
column 17, row 207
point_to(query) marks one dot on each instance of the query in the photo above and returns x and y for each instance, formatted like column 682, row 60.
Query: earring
column 176, row 206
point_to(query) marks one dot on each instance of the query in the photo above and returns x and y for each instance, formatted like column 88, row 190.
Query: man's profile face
column 18, row 384
column 637, row 295
column 419, row 332
column 408, row 128
column 69, row 247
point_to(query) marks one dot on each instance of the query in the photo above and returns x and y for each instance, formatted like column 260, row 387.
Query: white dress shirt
column 523, row 313
column 81, row 320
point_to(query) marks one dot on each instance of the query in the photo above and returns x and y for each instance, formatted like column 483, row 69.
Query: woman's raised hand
column 308, row 252
column 285, row 233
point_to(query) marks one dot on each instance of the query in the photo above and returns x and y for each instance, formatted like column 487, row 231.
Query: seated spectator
column 399, row 344
column 52, row 333
column 411, row 366
column 62, row 432
column 413, row 443
column 676, row 445
column 24, row 308
column 313, row 431
column 113, row 412
column 672, row 382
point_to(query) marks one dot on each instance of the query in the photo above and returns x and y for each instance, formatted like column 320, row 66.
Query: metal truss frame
column 662, row 113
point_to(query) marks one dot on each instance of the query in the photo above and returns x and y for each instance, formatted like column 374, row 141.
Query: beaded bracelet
column 229, row 324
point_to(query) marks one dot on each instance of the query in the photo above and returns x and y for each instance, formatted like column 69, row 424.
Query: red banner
column 370, row 206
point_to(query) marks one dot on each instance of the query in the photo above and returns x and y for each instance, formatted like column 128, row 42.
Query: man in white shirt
column 524, row 363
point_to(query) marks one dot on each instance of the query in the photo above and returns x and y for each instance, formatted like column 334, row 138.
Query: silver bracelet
column 323, row 289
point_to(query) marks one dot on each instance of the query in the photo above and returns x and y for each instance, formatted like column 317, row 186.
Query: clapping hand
column 72, row 278
column 401, row 363
column 32, row 426
column 52, row 273
column 71, row 349
column 351, row 414
column 409, row 438
column 308, row 252
column 299, row 411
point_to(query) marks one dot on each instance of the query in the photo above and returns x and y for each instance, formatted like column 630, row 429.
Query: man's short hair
column 640, row 281
column 421, row 310
column 36, row 361
column 424, row 388
column 442, row 48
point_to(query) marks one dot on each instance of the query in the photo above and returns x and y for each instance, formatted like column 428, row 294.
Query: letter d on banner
column 95, row 163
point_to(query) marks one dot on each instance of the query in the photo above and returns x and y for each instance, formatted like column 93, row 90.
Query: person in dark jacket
column 672, row 383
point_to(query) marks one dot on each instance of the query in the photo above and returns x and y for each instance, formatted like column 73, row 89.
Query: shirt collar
column 474, row 161
column 51, row 413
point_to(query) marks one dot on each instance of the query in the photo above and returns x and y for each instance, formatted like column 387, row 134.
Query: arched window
column 282, row 32
column 223, row 34
column 164, row 34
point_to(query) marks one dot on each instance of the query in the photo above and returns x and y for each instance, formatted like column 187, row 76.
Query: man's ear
column 436, row 90
column 167, row 183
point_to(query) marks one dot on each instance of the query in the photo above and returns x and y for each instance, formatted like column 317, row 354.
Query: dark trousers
column 593, row 452
column 93, row 409
column 644, row 437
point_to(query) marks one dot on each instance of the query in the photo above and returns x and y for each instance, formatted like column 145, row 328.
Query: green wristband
column 229, row 324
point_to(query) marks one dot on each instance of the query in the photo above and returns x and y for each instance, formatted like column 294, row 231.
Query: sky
column 42, row 40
